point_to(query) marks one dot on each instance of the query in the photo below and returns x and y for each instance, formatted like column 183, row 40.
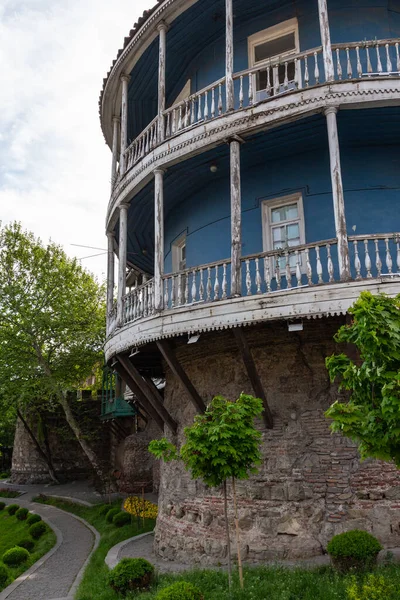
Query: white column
column 326, row 40
column 158, row 238
column 110, row 271
column 162, row 28
column 123, row 239
column 236, row 218
column 116, row 122
column 124, row 122
column 229, row 56
column 337, row 193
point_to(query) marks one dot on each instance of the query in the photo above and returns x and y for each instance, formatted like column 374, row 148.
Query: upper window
column 283, row 225
column 179, row 254
column 265, row 47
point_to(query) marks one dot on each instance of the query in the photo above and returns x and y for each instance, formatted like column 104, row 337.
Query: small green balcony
column 113, row 403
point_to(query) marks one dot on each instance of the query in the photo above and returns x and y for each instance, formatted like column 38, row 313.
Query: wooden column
column 116, row 122
column 158, row 238
column 123, row 239
column 162, row 28
column 236, row 218
column 326, row 40
column 229, row 56
column 110, row 271
column 337, row 194
column 124, row 123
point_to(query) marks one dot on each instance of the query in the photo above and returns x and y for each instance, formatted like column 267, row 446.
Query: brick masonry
column 310, row 485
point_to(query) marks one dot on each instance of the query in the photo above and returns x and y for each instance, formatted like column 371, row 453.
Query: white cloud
column 54, row 164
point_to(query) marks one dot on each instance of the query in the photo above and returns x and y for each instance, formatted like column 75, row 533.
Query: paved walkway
column 143, row 548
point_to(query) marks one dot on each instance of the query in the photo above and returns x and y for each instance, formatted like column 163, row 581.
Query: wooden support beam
column 252, row 372
column 178, row 371
column 155, row 400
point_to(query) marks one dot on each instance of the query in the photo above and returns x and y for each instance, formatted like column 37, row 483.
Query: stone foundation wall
column 310, row 485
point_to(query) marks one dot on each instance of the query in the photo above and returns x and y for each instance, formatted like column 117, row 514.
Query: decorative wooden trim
column 253, row 375
column 175, row 366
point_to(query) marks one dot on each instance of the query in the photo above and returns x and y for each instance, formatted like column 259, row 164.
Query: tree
column 52, row 325
column 371, row 417
column 222, row 444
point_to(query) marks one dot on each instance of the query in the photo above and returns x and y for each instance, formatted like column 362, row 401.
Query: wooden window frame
column 176, row 252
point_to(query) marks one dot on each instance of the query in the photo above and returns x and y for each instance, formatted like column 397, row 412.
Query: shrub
column 33, row 519
column 3, row 575
column 21, row 514
column 37, row 530
column 131, row 574
column 27, row 544
column 2, row 505
column 374, row 587
column 12, row 509
column 121, row 519
column 111, row 514
column 354, row 549
column 104, row 509
column 15, row 556
column 4, row 474
column 182, row 590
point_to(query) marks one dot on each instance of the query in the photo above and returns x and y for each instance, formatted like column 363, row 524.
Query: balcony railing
column 355, row 60
column 139, row 303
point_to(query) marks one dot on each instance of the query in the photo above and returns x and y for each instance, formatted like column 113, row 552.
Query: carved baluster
column 194, row 286
column 378, row 59
column 296, row 74
column 329, row 263
column 277, row 273
column 187, row 113
column 193, row 112
column 316, row 68
column 220, row 99
column 250, row 89
column 267, row 273
column 151, row 302
column 308, row 267
column 166, row 292
column 288, row 273
column 206, row 106
column 180, row 290
column 199, row 115
column 319, row 265
column 216, row 284
column 368, row 263
column 349, row 67
column 298, row 269
column 275, row 75
column 359, row 65
column 180, row 118
column 241, row 96
column 224, row 283
column 155, row 140
column 147, row 142
column 248, row 277
column 369, row 65
column 201, row 286
column 338, row 64
column 286, row 78
column 397, row 57
column 258, row 277
column 388, row 60
column 150, row 133
column 173, row 291
column 144, row 291
column 186, row 287
column 357, row 262
column 378, row 262
column 135, row 306
column 212, row 103
column 389, row 262
column 209, row 284
column 168, row 126
column 306, row 75
column 269, row 87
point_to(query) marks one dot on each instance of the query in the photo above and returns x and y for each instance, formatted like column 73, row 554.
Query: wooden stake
column 237, row 534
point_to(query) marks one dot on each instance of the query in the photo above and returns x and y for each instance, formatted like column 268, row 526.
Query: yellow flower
column 135, row 506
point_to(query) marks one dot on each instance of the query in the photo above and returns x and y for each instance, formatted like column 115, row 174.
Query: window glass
column 284, row 213
column 276, row 47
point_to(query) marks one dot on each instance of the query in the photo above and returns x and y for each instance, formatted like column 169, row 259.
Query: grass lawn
column 13, row 531
column 6, row 493
column 94, row 584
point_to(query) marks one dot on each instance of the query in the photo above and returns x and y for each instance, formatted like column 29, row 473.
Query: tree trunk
column 237, row 535
column 42, row 454
column 228, row 541
column 47, row 444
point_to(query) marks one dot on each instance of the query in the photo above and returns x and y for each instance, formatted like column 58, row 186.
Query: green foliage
column 181, row 590
column 37, row 530
column 163, row 449
column 33, row 519
column 354, row 544
column 22, row 514
column 121, row 518
column 131, row 574
column 104, row 509
column 4, row 575
column 27, row 544
column 15, row 556
column 111, row 514
column 374, row 587
column 7, row 493
column 371, row 417
column 12, row 509
column 2, row 505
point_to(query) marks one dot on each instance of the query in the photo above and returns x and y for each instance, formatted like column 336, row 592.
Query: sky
column 54, row 163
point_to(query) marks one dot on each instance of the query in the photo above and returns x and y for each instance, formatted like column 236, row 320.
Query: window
column 283, row 226
column 279, row 41
column 179, row 255
column 183, row 94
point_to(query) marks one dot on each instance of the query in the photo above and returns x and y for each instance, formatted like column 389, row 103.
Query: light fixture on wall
column 134, row 351
column 213, row 167
column 193, row 338
column 295, row 326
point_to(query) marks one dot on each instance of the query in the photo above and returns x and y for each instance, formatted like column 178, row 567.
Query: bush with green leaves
column 22, row 514
column 181, row 590
column 15, row 556
column 33, row 519
column 373, row 587
column 122, row 518
column 37, row 530
column 131, row 574
column 3, row 575
column 2, row 505
column 354, row 549
column 27, row 543
column 104, row 509
column 12, row 509
column 111, row 514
